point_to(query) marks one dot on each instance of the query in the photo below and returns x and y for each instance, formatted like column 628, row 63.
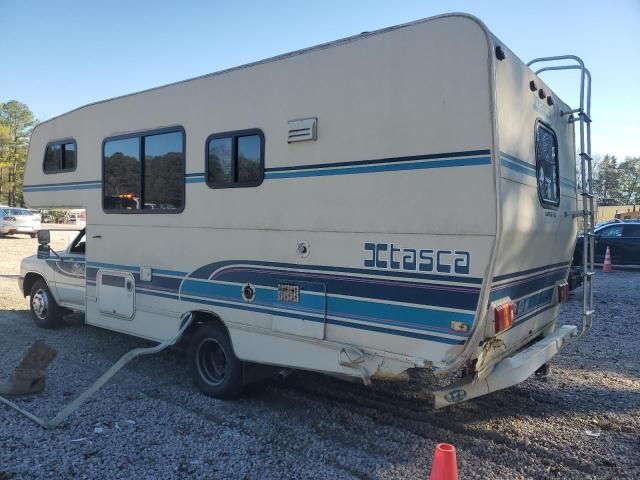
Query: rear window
column 547, row 166
column 60, row 157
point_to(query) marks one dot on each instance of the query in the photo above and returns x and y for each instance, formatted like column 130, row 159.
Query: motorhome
column 311, row 211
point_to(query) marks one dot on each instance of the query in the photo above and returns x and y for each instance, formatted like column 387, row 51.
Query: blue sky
column 58, row 55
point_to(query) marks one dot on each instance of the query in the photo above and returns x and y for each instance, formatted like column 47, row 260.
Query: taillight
column 504, row 316
column 10, row 219
column 563, row 292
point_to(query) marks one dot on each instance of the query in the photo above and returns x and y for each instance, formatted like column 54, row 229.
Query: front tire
column 215, row 369
column 45, row 311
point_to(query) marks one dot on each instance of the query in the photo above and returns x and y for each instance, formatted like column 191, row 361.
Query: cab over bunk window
column 235, row 159
column 60, row 157
column 144, row 173
column 547, row 166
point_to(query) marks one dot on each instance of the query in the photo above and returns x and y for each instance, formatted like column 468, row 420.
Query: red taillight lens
column 504, row 316
column 563, row 292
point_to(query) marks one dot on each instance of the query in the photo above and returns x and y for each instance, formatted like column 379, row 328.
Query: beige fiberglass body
column 396, row 200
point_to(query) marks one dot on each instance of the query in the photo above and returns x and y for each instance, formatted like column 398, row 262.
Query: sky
column 59, row 55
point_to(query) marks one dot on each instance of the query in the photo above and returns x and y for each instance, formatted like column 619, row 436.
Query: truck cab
column 55, row 281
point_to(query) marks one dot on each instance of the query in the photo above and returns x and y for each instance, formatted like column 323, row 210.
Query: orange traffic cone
column 444, row 463
column 606, row 268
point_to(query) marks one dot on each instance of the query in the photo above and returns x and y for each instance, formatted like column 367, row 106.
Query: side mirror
column 44, row 237
column 44, row 251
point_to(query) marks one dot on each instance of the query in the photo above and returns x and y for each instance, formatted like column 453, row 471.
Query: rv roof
column 283, row 56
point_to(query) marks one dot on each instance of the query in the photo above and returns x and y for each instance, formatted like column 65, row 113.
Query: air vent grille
column 288, row 293
column 302, row 130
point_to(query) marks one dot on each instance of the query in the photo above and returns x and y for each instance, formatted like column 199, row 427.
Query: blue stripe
column 521, row 288
column 359, row 309
column 429, row 156
column 298, row 316
column 397, row 315
column 61, row 186
column 393, row 167
column 520, row 166
column 130, row 268
column 194, row 180
column 458, row 297
column 400, row 333
column 533, row 302
column 206, row 271
column 522, row 273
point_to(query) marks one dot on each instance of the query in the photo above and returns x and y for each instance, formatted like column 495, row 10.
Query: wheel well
column 29, row 279
column 201, row 317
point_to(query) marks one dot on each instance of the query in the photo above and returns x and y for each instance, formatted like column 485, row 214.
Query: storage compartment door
column 116, row 293
column 300, row 308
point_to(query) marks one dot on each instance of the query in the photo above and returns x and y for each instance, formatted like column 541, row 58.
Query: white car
column 18, row 220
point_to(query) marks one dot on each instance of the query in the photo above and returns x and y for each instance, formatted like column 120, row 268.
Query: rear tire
column 46, row 313
column 215, row 369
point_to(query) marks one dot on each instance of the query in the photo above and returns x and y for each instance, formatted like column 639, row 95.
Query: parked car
column 623, row 240
column 76, row 217
column 18, row 220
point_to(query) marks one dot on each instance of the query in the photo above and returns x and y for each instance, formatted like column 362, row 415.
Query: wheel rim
column 40, row 304
column 211, row 361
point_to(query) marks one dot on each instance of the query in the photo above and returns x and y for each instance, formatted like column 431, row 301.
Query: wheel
column 215, row 369
column 45, row 311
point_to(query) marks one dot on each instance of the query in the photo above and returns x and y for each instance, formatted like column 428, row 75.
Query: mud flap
column 508, row 372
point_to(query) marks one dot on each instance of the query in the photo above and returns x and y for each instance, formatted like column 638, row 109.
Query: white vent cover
column 302, row 129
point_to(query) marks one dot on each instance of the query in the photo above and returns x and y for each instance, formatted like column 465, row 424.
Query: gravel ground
column 150, row 422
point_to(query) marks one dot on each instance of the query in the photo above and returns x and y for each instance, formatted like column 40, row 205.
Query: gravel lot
column 150, row 422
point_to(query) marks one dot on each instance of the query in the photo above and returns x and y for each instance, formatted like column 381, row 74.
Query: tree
column 4, row 152
column 19, row 120
column 629, row 180
column 607, row 177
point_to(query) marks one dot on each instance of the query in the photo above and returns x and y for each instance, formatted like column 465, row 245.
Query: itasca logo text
column 389, row 256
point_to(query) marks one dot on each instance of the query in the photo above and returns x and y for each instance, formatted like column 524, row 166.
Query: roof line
column 282, row 56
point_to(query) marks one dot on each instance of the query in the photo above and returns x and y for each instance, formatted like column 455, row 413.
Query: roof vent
column 302, row 129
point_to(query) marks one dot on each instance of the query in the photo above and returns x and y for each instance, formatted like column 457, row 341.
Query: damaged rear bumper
column 508, row 372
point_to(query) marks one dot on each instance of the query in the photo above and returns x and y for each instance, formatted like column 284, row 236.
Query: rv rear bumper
column 510, row 371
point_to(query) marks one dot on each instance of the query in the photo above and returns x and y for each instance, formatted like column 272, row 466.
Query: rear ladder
column 582, row 115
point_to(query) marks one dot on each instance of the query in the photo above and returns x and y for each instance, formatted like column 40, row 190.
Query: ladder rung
column 589, row 313
column 586, row 156
column 587, row 194
column 589, row 274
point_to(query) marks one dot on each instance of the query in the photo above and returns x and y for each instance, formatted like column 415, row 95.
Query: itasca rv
column 400, row 199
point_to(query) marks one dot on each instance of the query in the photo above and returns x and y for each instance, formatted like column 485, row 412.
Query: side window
column 155, row 185
column 60, row 157
column 235, row 159
column 612, row 231
column 547, row 166
column 632, row 230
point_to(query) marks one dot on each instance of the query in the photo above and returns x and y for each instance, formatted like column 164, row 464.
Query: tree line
column 16, row 123
column 617, row 183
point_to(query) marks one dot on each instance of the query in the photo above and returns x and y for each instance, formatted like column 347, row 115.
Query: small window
column 235, row 159
column 60, row 157
column 547, row 166
column 153, row 186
